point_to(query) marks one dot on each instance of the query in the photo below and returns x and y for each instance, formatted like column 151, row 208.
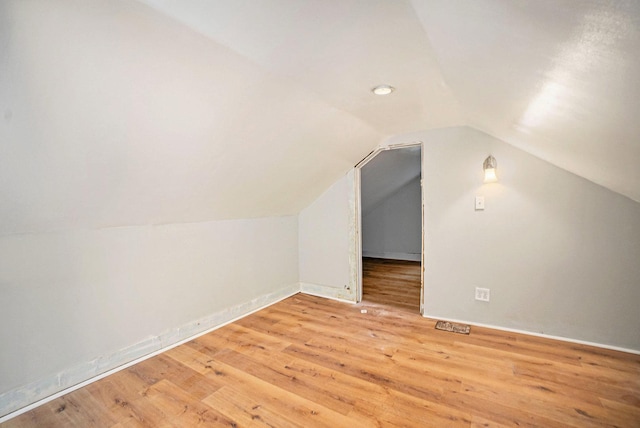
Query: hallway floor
column 394, row 283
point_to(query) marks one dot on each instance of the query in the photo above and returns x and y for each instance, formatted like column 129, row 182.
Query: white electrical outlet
column 483, row 294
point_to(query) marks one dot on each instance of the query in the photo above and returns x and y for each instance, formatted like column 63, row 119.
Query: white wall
column 559, row 253
column 326, row 242
column 77, row 303
column 393, row 229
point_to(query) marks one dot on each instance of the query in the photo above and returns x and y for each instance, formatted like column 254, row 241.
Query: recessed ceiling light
column 383, row 90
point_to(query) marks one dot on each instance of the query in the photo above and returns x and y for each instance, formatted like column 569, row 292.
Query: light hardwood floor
column 394, row 283
column 308, row 361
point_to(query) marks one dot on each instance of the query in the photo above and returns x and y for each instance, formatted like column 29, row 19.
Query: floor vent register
column 453, row 327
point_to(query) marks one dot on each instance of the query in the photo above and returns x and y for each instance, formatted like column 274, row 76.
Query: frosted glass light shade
column 489, row 165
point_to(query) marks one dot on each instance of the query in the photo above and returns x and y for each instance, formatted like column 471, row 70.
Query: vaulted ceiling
column 122, row 113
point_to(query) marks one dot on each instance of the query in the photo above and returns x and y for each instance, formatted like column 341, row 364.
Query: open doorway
column 390, row 219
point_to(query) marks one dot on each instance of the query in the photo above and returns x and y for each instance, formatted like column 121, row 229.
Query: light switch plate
column 483, row 294
column 479, row 203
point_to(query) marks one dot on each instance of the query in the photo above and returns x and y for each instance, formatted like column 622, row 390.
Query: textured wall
column 559, row 253
column 324, row 242
column 77, row 303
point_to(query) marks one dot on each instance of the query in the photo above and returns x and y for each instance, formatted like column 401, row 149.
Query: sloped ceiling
column 123, row 113
column 386, row 173
column 557, row 78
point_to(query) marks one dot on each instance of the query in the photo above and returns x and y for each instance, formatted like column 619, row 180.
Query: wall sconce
column 489, row 165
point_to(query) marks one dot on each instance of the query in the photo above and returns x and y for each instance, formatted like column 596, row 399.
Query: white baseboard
column 32, row 395
column 530, row 333
column 412, row 257
column 341, row 294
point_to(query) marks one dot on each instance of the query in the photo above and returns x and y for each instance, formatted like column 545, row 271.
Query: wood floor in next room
column 394, row 283
column 313, row 362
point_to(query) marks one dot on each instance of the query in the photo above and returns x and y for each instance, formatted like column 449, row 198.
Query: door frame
column 358, row 215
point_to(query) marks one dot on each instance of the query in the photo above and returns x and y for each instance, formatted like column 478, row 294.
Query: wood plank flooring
column 313, row 362
column 395, row 283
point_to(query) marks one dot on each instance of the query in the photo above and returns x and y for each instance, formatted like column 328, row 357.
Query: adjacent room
column 255, row 213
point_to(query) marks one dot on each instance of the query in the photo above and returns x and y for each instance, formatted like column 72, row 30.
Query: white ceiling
column 335, row 51
column 121, row 113
column 557, row 78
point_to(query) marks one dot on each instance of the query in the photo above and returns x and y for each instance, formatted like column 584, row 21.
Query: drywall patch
column 354, row 218
column 16, row 401
column 345, row 295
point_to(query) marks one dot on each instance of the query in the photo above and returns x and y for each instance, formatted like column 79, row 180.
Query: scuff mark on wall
column 76, row 376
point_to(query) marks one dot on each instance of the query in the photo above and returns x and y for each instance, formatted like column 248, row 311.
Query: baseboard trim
column 393, row 256
column 20, row 400
column 339, row 294
column 545, row 336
